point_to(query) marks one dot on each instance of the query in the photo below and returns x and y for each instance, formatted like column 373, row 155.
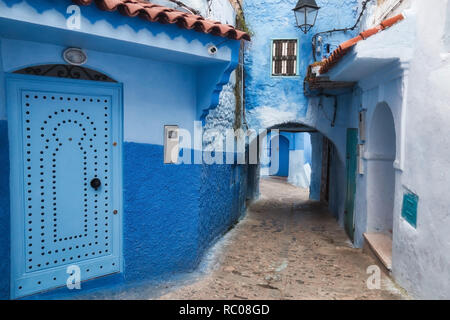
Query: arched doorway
column 307, row 165
column 381, row 173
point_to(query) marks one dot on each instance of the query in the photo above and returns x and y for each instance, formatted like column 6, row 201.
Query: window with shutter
column 284, row 58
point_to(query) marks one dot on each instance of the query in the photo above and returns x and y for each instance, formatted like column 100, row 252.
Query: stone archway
column 334, row 179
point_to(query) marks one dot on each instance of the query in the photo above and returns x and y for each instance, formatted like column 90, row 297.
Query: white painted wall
column 378, row 10
column 416, row 90
column 298, row 174
column 447, row 29
column 421, row 261
column 219, row 10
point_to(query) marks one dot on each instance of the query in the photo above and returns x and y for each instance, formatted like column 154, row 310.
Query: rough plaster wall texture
column 274, row 100
column 422, row 262
column 161, row 213
column 338, row 14
column 222, row 117
column 173, row 213
column 253, row 176
column 222, row 200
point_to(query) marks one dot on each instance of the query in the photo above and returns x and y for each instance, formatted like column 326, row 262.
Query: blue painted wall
column 307, row 148
column 4, row 211
column 316, row 168
column 120, row 42
column 274, row 100
column 160, row 213
column 172, row 213
column 222, row 200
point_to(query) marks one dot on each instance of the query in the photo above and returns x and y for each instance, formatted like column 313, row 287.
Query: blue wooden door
column 284, row 157
column 351, row 163
column 279, row 164
column 65, row 180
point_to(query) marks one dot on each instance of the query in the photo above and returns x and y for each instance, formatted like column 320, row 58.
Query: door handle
column 96, row 183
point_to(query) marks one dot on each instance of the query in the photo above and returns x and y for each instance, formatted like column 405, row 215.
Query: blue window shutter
column 409, row 208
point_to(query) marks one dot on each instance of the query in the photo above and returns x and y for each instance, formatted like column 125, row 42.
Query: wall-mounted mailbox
column 362, row 125
column 171, row 144
column 360, row 159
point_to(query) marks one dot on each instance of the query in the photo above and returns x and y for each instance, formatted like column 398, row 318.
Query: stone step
column 379, row 245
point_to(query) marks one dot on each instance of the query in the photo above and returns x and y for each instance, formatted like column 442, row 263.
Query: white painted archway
column 380, row 171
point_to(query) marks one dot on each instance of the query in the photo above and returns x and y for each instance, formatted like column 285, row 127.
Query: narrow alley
column 287, row 247
column 224, row 149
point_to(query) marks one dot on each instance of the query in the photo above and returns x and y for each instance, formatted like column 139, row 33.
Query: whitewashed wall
column 418, row 95
column 378, row 10
column 220, row 10
column 422, row 256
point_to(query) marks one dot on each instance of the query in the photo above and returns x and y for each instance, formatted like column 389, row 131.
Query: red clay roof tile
column 156, row 13
column 391, row 21
column 345, row 47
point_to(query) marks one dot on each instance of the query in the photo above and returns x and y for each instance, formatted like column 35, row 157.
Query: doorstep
column 381, row 246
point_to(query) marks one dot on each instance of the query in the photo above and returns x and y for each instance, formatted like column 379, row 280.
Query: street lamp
column 306, row 13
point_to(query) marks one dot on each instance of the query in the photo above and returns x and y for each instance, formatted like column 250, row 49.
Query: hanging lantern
column 306, row 14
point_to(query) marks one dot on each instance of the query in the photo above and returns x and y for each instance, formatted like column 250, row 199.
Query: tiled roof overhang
column 156, row 13
column 345, row 47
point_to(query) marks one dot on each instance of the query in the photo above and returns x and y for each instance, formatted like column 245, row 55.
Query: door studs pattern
column 62, row 132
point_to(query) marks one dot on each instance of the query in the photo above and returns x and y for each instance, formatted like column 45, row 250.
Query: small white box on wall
column 360, row 159
column 362, row 125
column 171, row 144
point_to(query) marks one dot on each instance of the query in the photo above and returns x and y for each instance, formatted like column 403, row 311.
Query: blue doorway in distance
column 283, row 158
